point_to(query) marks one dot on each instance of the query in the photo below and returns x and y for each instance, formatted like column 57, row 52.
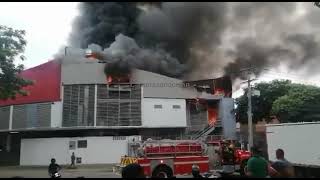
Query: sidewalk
column 106, row 167
column 94, row 170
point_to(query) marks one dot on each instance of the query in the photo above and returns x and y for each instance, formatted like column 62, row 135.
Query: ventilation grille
column 78, row 105
column 31, row 115
column 118, row 105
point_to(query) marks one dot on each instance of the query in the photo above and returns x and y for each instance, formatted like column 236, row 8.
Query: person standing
column 73, row 158
column 282, row 166
column 257, row 166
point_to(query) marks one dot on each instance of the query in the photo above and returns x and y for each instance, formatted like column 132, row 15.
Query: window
column 82, row 144
column 158, row 106
column 176, row 106
column 72, row 145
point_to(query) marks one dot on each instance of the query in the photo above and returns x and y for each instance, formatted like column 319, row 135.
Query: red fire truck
column 167, row 158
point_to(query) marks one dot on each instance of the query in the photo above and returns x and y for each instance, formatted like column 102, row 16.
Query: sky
column 48, row 25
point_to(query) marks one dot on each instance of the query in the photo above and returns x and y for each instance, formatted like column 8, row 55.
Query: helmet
column 53, row 160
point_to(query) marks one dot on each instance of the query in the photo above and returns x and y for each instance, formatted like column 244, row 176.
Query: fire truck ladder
column 204, row 133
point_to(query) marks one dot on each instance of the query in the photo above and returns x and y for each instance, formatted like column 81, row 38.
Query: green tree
column 261, row 105
column 300, row 104
column 12, row 45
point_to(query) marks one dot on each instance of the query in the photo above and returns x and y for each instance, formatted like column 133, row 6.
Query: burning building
column 73, row 106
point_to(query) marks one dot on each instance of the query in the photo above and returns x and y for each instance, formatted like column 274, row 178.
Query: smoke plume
column 199, row 39
column 124, row 52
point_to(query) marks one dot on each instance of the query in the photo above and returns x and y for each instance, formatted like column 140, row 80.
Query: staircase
column 204, row 133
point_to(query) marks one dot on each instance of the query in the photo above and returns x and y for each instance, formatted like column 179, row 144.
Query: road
column 41, row 172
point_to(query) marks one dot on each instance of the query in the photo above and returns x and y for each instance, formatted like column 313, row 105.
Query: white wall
column 165, row 117
column 56, row 114
column 40, row 151
column 227, row 117
column 160, row 86
column 100, row 150
column 83, row 73
column 299, row 142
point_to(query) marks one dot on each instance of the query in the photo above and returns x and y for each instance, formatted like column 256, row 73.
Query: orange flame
column 109, row 79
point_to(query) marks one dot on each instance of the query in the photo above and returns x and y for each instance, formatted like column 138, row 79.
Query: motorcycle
column 55, row 175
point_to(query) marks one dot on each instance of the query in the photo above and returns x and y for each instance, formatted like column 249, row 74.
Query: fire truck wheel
column 162, row 171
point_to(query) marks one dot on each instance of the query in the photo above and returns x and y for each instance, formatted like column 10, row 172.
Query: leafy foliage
column 287, row 101
column 300, row 104
column 261, row 105
column 12, row 46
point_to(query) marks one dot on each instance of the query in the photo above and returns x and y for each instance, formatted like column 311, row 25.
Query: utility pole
column 249, row 112
column 250, row 133
column 65, row 50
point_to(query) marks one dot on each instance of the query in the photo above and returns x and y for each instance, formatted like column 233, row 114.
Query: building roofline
column 291, row 124
column 84, row 128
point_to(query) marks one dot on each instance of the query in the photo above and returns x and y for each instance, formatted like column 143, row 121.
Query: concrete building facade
column 73, row 102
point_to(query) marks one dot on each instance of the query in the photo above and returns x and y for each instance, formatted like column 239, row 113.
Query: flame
column 109, row 79
column 219, row 91
column 117, row 79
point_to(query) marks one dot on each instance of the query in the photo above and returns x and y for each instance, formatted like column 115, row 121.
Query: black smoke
column 124, row 53
column 100, row 22
column 172, row 30
column 195, row 39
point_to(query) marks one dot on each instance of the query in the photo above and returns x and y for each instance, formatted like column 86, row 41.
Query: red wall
column 46, row 86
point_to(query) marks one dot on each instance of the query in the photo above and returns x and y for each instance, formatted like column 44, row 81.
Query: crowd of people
column 259, row 167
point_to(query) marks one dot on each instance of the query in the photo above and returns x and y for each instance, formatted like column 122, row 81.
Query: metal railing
column 172, row 147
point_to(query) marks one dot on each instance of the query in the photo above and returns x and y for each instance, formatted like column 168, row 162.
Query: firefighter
column 140, row 151
column 227, row 153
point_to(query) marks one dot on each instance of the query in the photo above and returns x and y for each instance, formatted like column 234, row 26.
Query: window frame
column 157, row 106
column 82, row 141
column 176, row 106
